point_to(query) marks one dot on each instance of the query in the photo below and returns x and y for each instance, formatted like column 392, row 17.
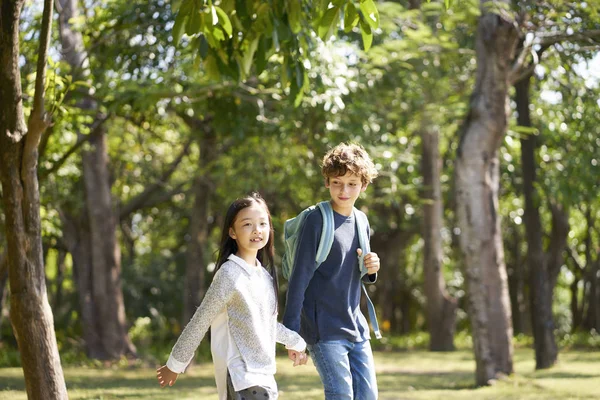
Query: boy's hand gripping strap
column 366, row 249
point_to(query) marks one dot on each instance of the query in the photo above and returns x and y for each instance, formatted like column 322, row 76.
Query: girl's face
column 251, row 229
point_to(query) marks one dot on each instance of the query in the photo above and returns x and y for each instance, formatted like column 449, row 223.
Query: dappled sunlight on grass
column 401, row 375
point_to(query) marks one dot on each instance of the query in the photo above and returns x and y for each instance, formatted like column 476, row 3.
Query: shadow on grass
column 12, row 383
column 564, row 375
column 144, row 382
column 425, row 381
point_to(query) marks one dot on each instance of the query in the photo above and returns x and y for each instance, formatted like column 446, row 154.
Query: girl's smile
column 251, row 231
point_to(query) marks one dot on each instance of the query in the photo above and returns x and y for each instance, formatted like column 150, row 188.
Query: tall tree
column 543, row 268
column 31, row 316
column 92, row 236
column 441, row 307
column 477, row 183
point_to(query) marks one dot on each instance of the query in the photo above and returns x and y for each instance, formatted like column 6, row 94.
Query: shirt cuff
column 176, row 366
column 300, row 345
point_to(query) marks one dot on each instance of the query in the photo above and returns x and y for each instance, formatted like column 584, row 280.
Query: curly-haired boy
column 323, row 304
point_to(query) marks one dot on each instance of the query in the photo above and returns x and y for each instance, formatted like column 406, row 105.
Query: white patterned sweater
column 247, row 294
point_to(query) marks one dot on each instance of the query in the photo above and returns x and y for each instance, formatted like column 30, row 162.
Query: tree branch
column 544, row 40
column 142, row 199
column 81, row 139
column 548, row 39
column 39, row 120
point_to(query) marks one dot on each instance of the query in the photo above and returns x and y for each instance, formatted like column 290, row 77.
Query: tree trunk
column 540, row 291
column 441, row 307
column 3, row 287
column 477, row 184
column 391, row 248
column 592, row 280
column 77, row 239
column 60, row 278
column 105, row 252
column 31, row 316
column 516, row 283
column 199, row 228
column 99, row 271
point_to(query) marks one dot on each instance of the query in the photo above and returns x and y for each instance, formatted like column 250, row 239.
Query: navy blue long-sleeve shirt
column 324, row 304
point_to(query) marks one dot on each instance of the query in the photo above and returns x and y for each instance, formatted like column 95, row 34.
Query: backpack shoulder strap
column 363, row 238
column 326, row 232
column 363, row 241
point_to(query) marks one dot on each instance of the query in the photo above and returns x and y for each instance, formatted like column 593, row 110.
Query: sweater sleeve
column 289, row 338
column 217, row 296
column 304, row 269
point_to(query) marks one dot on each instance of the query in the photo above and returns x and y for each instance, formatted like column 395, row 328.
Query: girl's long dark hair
column 228, row 245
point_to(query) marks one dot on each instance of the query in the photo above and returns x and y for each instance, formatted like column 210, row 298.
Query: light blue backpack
column 291, row 234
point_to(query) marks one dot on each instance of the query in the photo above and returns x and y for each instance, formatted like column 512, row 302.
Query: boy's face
column 344, row 191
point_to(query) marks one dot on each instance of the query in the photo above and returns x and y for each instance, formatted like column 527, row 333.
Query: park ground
column 401, row 375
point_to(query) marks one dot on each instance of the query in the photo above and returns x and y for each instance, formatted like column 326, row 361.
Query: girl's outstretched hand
column 165, row 376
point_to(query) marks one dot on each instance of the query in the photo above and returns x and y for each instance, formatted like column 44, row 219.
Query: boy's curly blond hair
column 349, row 157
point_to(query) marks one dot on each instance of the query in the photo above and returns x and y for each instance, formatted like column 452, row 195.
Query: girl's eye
column 263, row 224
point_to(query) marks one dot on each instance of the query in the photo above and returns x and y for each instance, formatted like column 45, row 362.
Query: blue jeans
column 346, row 369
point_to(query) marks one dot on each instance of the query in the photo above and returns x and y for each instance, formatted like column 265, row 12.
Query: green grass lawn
column 401, row 375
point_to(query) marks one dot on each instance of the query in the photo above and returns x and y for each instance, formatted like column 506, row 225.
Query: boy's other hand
column 165, row 376
column 299, row 358
column 371, row 261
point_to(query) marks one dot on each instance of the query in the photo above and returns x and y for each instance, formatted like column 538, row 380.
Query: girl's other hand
column 299, row 358
column 165, row 376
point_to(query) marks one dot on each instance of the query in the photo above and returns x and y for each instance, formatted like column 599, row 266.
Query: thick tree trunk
column 31, row 316
column 105, row 252
column 99, row 268
column 477, row 184
column 441, row 307
column 540, row 291
column 199, row 228
column 77, row 239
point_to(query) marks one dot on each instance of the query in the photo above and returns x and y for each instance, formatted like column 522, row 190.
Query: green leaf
column 211, row 67
column 263, row 20
column 351, row 17
column 203, row 46
column 224, row 21
column 370, row 13
column 218, row 33
column 178, row 27
column 325, row 24
column 367, row 34
column 194, row 24
column 261, row 55
column 294, row 11
column 249, row 56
